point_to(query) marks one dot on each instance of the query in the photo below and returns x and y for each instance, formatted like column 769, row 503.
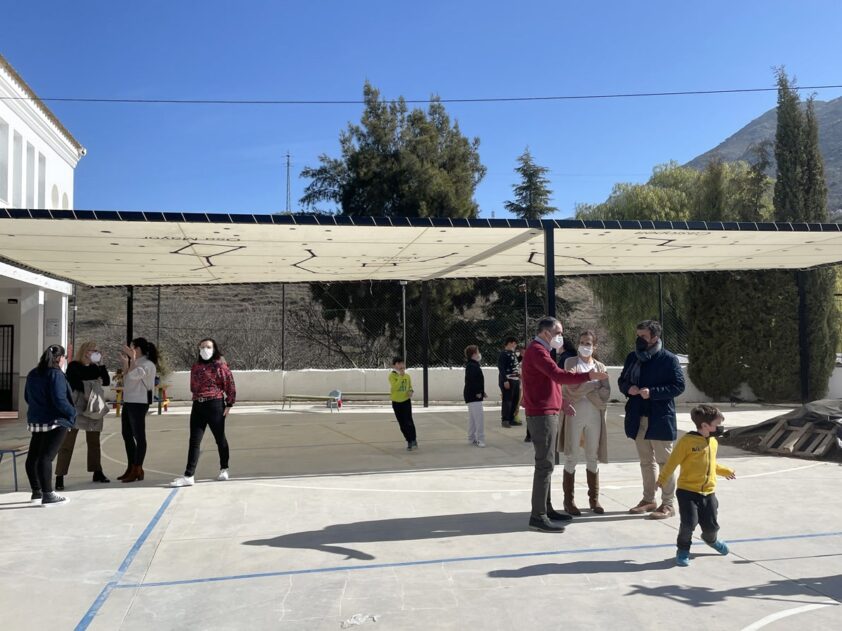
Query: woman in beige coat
column 590, row 400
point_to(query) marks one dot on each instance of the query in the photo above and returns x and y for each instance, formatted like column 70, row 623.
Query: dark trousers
column 696, row 509
column 66, row 452
column 203, row 415
column 544, row 432
column 511, row 398
column 43, row 447
column 133, row 418
column 403, row 412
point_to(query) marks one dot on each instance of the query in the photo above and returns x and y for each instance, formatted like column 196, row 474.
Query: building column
column 30, row 339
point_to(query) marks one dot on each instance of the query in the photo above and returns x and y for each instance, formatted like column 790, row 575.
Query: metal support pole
column 661, row 306
column 403, row 316
column 803, row 339
column 425, row 339
column 72, row 350
column 129, row 313
column 284, row 326
column 549, row 267
column 158, row 320
column 525, row 289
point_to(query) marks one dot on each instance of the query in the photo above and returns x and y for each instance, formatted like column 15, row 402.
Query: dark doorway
column 7, row 352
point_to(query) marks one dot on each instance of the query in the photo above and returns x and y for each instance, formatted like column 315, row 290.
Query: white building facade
column 38, row 158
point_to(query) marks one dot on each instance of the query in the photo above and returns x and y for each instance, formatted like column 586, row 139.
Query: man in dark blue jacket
column 651, row 379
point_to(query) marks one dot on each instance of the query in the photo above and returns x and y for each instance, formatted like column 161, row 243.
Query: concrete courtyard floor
column 328, row 519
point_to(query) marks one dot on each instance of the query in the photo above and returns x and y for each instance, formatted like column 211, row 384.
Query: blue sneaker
column 720, row 546
column 682, row 558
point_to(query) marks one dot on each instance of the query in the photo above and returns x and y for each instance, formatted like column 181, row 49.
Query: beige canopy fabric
column 122, row 248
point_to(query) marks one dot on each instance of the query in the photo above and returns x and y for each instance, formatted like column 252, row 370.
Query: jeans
column 403, row 412
column 544, row 432
column 652, row 454
column 696, row 509
column 203, row 415
column 511, row 398
column 43, row 447
column 66, row 452
column 133, row 419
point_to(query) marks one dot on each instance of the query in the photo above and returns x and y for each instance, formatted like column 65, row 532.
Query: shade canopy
column 107, row 248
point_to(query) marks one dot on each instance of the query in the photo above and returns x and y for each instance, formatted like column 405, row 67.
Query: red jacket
column 542, row 378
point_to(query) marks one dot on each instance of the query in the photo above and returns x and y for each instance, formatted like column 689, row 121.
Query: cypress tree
column 789, row 153
column 815, row 188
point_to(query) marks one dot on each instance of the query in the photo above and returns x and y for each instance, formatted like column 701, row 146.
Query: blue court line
column 86, row 620
column 519, row 555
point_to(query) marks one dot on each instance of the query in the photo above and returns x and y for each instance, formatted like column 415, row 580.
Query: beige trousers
column 652, row 454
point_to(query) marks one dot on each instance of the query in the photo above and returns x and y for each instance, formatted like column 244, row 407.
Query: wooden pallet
column 798, row 440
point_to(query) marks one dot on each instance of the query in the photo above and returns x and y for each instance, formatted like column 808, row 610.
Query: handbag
column 96, row 406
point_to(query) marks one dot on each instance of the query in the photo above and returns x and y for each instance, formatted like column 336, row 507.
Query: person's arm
column 675, row 459
column 502, row 369
column 725, row 472
column 672, row 389
column 227, row 385
column 58, row 392
column 623, row 381
column 104, row 376
column 604, row 387
column 548, row 367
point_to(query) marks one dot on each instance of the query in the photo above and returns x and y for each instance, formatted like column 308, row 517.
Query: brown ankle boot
column 126, row 472
column 135, row 474
column 593, row 492
column 567, row 484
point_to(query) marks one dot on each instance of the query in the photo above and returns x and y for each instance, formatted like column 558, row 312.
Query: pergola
column 117, row 248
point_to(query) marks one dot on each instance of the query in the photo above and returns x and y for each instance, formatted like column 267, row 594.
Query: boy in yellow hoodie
column 695, row 453
column 400, row 386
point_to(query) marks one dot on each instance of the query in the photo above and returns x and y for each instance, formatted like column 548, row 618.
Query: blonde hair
column 83, row 350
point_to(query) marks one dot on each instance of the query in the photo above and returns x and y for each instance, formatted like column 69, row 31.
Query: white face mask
column 62, row 364
column 586, row 351
column 96, row 357
column 557, row 342
column 206, row 353
column 478, row 357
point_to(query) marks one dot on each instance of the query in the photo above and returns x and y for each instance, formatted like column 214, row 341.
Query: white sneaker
column 183, row 481
column 479, row 443
column 223, row 475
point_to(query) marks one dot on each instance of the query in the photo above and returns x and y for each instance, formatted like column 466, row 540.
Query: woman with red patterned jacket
column 212, row 385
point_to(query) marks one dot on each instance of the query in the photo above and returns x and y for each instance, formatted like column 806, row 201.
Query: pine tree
column 532, row 195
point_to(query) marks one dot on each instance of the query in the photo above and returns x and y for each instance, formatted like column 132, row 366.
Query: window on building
column 54, row 197
column 17, row 171
column 65, row 202
column 4, row 161
column 30, row 176
column 42, row 181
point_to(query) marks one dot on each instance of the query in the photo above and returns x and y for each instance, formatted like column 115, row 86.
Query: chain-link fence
column 344, row 325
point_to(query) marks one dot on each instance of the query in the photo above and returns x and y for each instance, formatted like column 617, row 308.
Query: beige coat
column 597, row 393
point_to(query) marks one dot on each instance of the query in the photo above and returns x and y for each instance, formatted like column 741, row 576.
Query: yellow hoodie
column 400, row 386
column 696, row 455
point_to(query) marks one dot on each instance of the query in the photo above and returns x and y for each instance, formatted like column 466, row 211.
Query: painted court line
column 785, row 614
column 448, row 560
column 86, row 620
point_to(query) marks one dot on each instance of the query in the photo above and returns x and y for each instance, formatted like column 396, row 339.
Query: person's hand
column 479, row 395
column 411, row 392
column 634, row 390
column 506, row 386
column 598, row 376
column 658, row 485
column 731, row 476
column 225, row 411
column 644, row 392
column 569, row 410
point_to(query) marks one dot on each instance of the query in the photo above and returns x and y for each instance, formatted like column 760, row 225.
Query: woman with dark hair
column 49, row 415
column 212, row 385
column 87, row 367
column 140, row 365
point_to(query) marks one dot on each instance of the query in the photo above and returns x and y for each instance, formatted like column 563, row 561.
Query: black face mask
column 641, row 344
column 719, row 432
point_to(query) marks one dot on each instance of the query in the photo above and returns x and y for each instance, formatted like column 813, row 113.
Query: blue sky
column 231, row 158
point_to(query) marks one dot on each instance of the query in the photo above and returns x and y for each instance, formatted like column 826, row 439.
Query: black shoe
column 528, row 439
column 515, row 423
column 59, row 483
column 506, row 424
column 51, row 499
column 36, row 496
column 556, row 516
column 99, row 476
column 543, row 524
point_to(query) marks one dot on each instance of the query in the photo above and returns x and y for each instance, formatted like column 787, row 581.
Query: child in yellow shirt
column 400, row 386
column 695, row 453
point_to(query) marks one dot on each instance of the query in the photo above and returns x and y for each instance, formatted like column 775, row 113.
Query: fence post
column 549, row 266
column 803, row 341
column 129, row 313
column 425, row 340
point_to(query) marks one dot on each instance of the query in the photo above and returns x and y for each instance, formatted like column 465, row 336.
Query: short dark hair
column 546, row 323
column 471, row 350
column 654, row 327
column 397, row 360
column 509, row 340
column 704, row 413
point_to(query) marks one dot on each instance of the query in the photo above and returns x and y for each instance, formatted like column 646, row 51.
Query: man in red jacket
column 542, row 379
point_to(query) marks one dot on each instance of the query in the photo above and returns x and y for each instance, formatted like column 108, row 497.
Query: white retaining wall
column 445, row 384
